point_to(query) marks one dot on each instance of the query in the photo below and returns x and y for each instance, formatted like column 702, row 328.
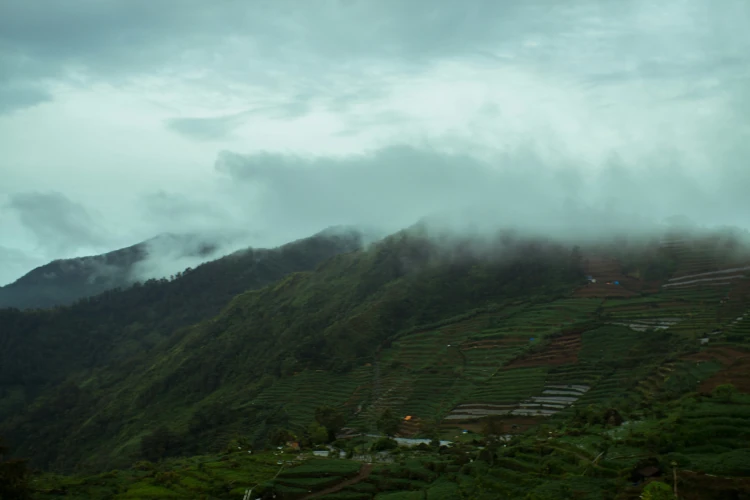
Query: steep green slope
column 209, row 378
column 499, row 339
column 451, row 335
column 40, row 349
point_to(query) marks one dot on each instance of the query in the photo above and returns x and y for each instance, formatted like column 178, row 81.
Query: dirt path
column 363, row 473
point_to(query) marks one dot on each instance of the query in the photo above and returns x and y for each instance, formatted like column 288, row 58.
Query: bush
column 167, row 478
column 384, row 444
column 657, row 491
column 144, row 465
column 724, row 392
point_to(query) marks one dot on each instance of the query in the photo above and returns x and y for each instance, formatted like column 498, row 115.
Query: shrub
column 384, row 444
column 657, row 491
column 725, row 393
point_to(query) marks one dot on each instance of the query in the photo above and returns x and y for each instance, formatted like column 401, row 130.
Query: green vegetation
column 545, row 393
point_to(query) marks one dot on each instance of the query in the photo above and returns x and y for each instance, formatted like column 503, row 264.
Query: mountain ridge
column 63, row 281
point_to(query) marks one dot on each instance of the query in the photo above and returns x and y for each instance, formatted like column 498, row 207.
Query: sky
column 272, row 120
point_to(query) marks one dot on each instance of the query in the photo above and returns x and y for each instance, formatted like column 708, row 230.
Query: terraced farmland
column 560, row 350
column 735, row 367
column 501, row 394
column 482, row 358
column 305, row 391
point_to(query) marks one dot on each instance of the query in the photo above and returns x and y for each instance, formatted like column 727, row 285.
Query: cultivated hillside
column 549, row 345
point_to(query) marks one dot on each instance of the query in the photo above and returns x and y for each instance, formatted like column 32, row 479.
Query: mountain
column 550, row 346
column 63, row 281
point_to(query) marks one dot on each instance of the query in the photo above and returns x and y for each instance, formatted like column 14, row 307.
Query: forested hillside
column 65, row 281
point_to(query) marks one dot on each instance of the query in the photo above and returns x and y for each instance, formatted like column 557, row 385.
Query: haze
column 271, row 120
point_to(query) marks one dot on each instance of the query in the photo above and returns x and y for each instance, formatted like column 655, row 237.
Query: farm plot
column 363, row 378
column 483, row 358
column 644, row 324
column 581, row 373
column 652, row 383
column 716, row 434
column 426, row 348
column 316, row 476
column 500, row 395
column 418, row 351
column 306, row 391
column 739, row 328
column 560, row 350
column 394, row 388
column 605, row 290
column 612, row 359
column 735, row 368
column 607, row 344
column 433, row 395
column 689, row 373
column 657, row 311
column 693, row 257
column 542, row 319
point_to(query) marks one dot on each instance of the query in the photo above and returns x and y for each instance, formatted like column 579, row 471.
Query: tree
column 388, row 423
column 384, row 444
column 14, row 477
column 724, row 392
column 278, row 436
column 657, row 491
column 330, row 418
column 317, row 433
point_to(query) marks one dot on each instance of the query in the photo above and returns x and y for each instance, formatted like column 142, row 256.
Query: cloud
column 171, row 206
column 15, row 263
column 57, row 223
column 190, row 214
column 353, row 111
column 277, row 43
column 220, row 127
column 206, row 128
column 395, row 186
column 13, row 98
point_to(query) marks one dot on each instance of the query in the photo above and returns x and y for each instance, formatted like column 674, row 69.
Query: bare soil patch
column 736, row 369
column 562, row 350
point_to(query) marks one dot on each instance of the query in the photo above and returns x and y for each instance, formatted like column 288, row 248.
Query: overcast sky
column 123, row 119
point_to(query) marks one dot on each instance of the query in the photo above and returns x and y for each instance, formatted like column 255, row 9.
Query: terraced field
column 735, row 367
column 560, row 351
column 531, row 360
column 305, row 391
column 318, row 477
